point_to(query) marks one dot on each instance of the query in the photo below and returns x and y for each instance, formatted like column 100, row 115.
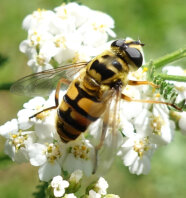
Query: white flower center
column 38, row 14
column 18, row 140
column 52, row 152
column 99, row 27
column 80, row 151
column 63, row 13
column 141, row 146
column 60, row 42
column 157, row 123
column 35, row 39
column 40, row 60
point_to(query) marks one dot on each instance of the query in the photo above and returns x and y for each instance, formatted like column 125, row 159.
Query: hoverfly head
column 130, row 51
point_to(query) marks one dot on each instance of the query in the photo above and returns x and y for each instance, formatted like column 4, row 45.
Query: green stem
column 5, row 86
column 172, row 77
column 162, row 61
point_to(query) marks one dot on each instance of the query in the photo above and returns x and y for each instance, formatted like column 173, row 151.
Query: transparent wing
column 107, row 134
column 111, row 143
column 42, row 83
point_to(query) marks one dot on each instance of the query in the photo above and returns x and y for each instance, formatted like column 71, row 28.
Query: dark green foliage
column 41, row 190
column 68, row 1
column 3, row 60
column 5, row 160
column 5, row 86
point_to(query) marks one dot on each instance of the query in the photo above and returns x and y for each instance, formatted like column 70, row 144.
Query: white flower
column 59, row 185
column 182, row 123
column 111, row 196
column 101, row 186
column 179, row 86
column 72, row 33
column 136, row 152
column 156, row 125
column 181, row 89
column 76, row 176
column 71, row 195
column 99, row 26
column 80, row 156
column 40, row 19
column 17, row 140
column 30, row 108
column 93, row 194
column 41, row 61
column 49, row 157
column 131, row 109
column 44, row 123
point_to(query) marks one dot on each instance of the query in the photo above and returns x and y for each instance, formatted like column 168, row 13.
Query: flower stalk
column 169, row 58
column 172, row 77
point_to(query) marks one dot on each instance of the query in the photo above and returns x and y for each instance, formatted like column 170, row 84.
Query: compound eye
column 118, row 43
column 135, row 56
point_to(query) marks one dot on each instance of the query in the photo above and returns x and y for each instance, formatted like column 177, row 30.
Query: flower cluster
column 73, row 33
column 67, row 188
column 69, row 34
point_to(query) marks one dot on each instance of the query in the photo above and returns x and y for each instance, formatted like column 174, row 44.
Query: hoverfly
column 89, row 96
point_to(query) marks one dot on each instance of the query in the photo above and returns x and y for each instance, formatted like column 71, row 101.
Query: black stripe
column 62, row 129
column 102, row 70
column 84, row 94
column 74, row 104
column 117, row 65
column 65, row 115
column 106, row 56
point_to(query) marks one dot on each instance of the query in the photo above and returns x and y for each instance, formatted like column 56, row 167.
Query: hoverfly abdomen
column 76, row 112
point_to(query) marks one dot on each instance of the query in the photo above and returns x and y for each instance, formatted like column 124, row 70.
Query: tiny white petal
column 93, row 194
column 8, row 128
column 49, row 170
column 36, row 154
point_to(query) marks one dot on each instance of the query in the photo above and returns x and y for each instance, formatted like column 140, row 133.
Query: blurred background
column 161, row 25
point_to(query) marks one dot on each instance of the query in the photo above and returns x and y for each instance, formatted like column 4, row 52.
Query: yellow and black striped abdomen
column 76, row 112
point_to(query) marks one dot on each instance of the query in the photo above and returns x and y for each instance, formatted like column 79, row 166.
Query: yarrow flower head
column 70, row 33
column 17, row 140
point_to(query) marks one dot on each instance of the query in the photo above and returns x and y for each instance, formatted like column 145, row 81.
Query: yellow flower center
column 100, row 27
column 141, row 146
column 52, row 152
column 60, row 42
column 18, row 140
column 80, row 151
column 40, row 60
column 157, row 123
column 43, row 114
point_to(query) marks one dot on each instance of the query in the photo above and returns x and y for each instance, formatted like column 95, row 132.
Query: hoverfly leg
column 127, row 98
column 134, row 83
column 62, row 80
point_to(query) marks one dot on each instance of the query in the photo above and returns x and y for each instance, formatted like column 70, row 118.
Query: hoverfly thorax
column 130, row 52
